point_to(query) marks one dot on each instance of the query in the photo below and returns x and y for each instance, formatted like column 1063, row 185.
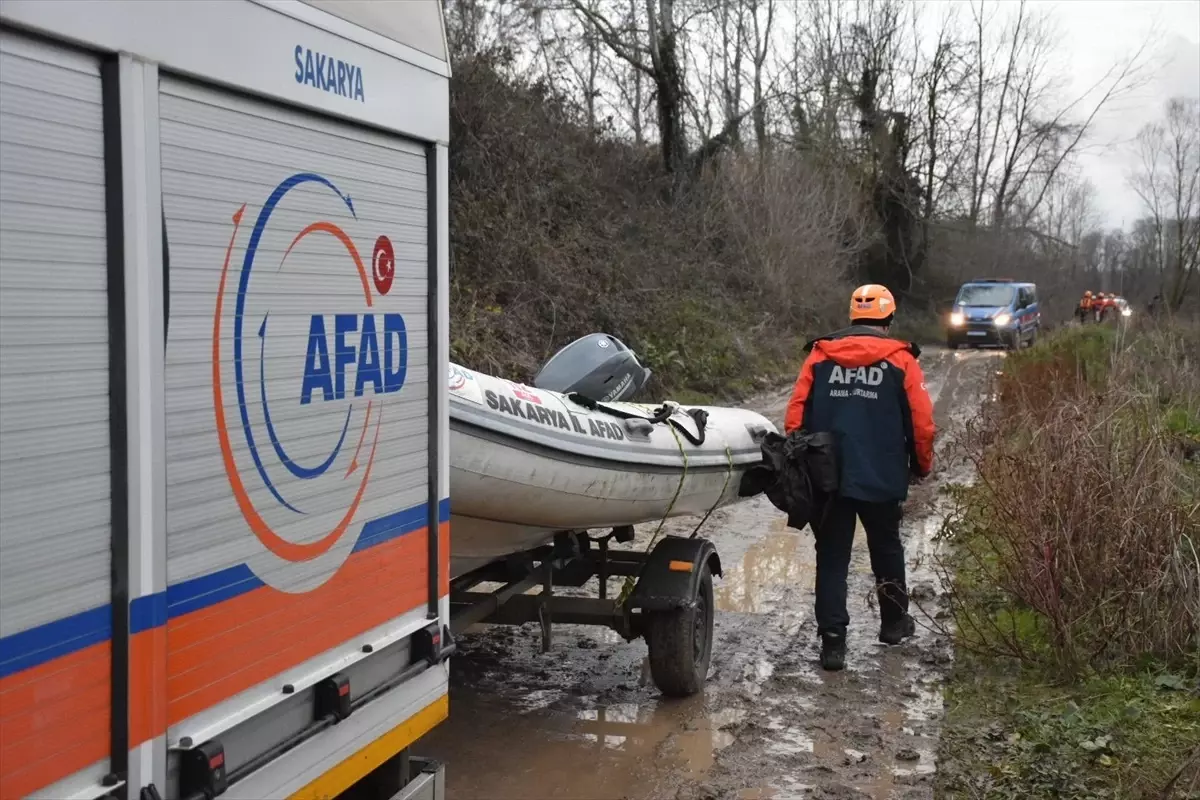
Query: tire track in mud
column 584, row 722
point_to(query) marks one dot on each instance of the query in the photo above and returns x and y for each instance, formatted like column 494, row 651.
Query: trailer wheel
column 680, row 643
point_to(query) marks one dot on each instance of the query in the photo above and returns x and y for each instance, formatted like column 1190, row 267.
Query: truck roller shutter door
column 56, row 487
column 296, row 408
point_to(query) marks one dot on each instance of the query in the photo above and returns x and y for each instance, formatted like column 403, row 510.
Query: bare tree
column 487, row 26
column 761, row 48
column 731, row 57
column 1069, row 210
column 816, row 70
column 1023, row 135
column 715, row 72
column 942, row 89
column 1068, row 220
column 947, row 135
column 560, row 40
column 663, row 67
column 589, row 74
column 733, row 40
column 1168, row 182
column 465, row 24
column 629, row 80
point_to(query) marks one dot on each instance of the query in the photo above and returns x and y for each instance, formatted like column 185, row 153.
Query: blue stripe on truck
column 29, row 648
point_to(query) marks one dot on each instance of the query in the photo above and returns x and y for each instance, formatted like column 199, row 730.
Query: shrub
column 1079, row 546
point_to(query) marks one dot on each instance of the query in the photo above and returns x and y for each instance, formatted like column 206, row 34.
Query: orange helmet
column 872, row 302
column 1087, row 293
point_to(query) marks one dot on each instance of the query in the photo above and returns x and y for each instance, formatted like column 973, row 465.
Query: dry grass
column 1080, row 545
column 1076, row 576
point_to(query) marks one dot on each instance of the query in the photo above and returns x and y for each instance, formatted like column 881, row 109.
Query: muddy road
column 584, row 722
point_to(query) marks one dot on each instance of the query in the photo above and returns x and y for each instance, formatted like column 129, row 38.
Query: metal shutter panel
column 239, row 613
column 55, row 495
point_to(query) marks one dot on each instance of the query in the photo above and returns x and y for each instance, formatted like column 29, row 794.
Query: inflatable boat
column 570, row 453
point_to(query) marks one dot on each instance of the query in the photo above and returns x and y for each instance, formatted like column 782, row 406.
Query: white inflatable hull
column 525, row 463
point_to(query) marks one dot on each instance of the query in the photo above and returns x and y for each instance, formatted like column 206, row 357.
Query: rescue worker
column 868, row 390
column 1085, row 307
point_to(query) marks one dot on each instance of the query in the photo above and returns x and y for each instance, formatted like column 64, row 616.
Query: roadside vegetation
column 1076, row 574
column 708, row 181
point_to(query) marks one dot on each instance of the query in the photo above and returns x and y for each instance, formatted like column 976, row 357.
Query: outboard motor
column 597, row 366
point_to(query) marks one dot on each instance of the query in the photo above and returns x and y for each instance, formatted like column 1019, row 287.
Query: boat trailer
column 670, row 604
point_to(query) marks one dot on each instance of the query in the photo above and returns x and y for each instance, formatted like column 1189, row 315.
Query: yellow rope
column 631, row 580
column 728, row 477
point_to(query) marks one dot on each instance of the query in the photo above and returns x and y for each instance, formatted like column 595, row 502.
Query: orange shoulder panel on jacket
column 795, row 407
column 860, row 351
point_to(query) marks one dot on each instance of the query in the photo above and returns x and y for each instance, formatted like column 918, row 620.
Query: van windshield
column 989, row 295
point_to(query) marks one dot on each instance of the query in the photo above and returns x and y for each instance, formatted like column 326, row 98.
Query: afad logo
column 309, row 357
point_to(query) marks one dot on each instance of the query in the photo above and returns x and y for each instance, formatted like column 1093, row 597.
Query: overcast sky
column 1097, row 33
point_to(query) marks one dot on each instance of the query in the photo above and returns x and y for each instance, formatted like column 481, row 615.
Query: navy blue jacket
column 868, row 390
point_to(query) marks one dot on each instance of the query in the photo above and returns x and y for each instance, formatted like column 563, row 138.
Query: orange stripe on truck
column 147, row 685
column 54, row 720
column 444, row 554
column 215, row 653
column 54, row 716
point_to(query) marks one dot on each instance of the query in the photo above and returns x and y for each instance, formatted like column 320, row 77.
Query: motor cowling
column 597, row 366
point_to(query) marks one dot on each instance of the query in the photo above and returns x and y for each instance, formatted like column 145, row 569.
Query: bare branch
column 612, row 37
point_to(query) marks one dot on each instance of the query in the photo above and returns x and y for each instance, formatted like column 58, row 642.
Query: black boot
column 833, row 651
column 897, row 630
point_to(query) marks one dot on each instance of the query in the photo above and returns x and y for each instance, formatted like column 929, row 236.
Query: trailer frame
column 670, row 605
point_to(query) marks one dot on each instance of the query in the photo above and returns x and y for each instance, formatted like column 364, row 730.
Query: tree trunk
column 762, row 48
column 731, row 65
column 668, row 84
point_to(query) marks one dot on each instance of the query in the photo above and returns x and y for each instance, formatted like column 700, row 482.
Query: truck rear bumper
column 334, row 760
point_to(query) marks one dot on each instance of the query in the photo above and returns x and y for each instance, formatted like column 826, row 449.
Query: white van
column 223, row 421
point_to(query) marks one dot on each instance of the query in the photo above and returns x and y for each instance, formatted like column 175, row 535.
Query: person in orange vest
column 868, row 389
column 1085, row 307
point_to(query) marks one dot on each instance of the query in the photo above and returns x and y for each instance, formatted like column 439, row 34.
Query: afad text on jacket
column 868, row 390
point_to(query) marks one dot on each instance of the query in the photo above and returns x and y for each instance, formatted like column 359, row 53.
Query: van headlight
column 1125, row 312
column 1002, row 319
column 957, row 319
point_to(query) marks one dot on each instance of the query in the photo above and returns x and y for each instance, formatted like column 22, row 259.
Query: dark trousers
column 834, row 540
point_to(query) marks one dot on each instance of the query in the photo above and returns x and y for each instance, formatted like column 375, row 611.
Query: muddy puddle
column 584, row 722
column 781, row 561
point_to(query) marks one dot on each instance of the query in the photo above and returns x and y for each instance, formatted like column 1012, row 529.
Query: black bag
column 799, row 473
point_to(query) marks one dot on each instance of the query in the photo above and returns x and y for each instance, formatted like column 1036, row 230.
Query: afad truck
column 223, row 421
